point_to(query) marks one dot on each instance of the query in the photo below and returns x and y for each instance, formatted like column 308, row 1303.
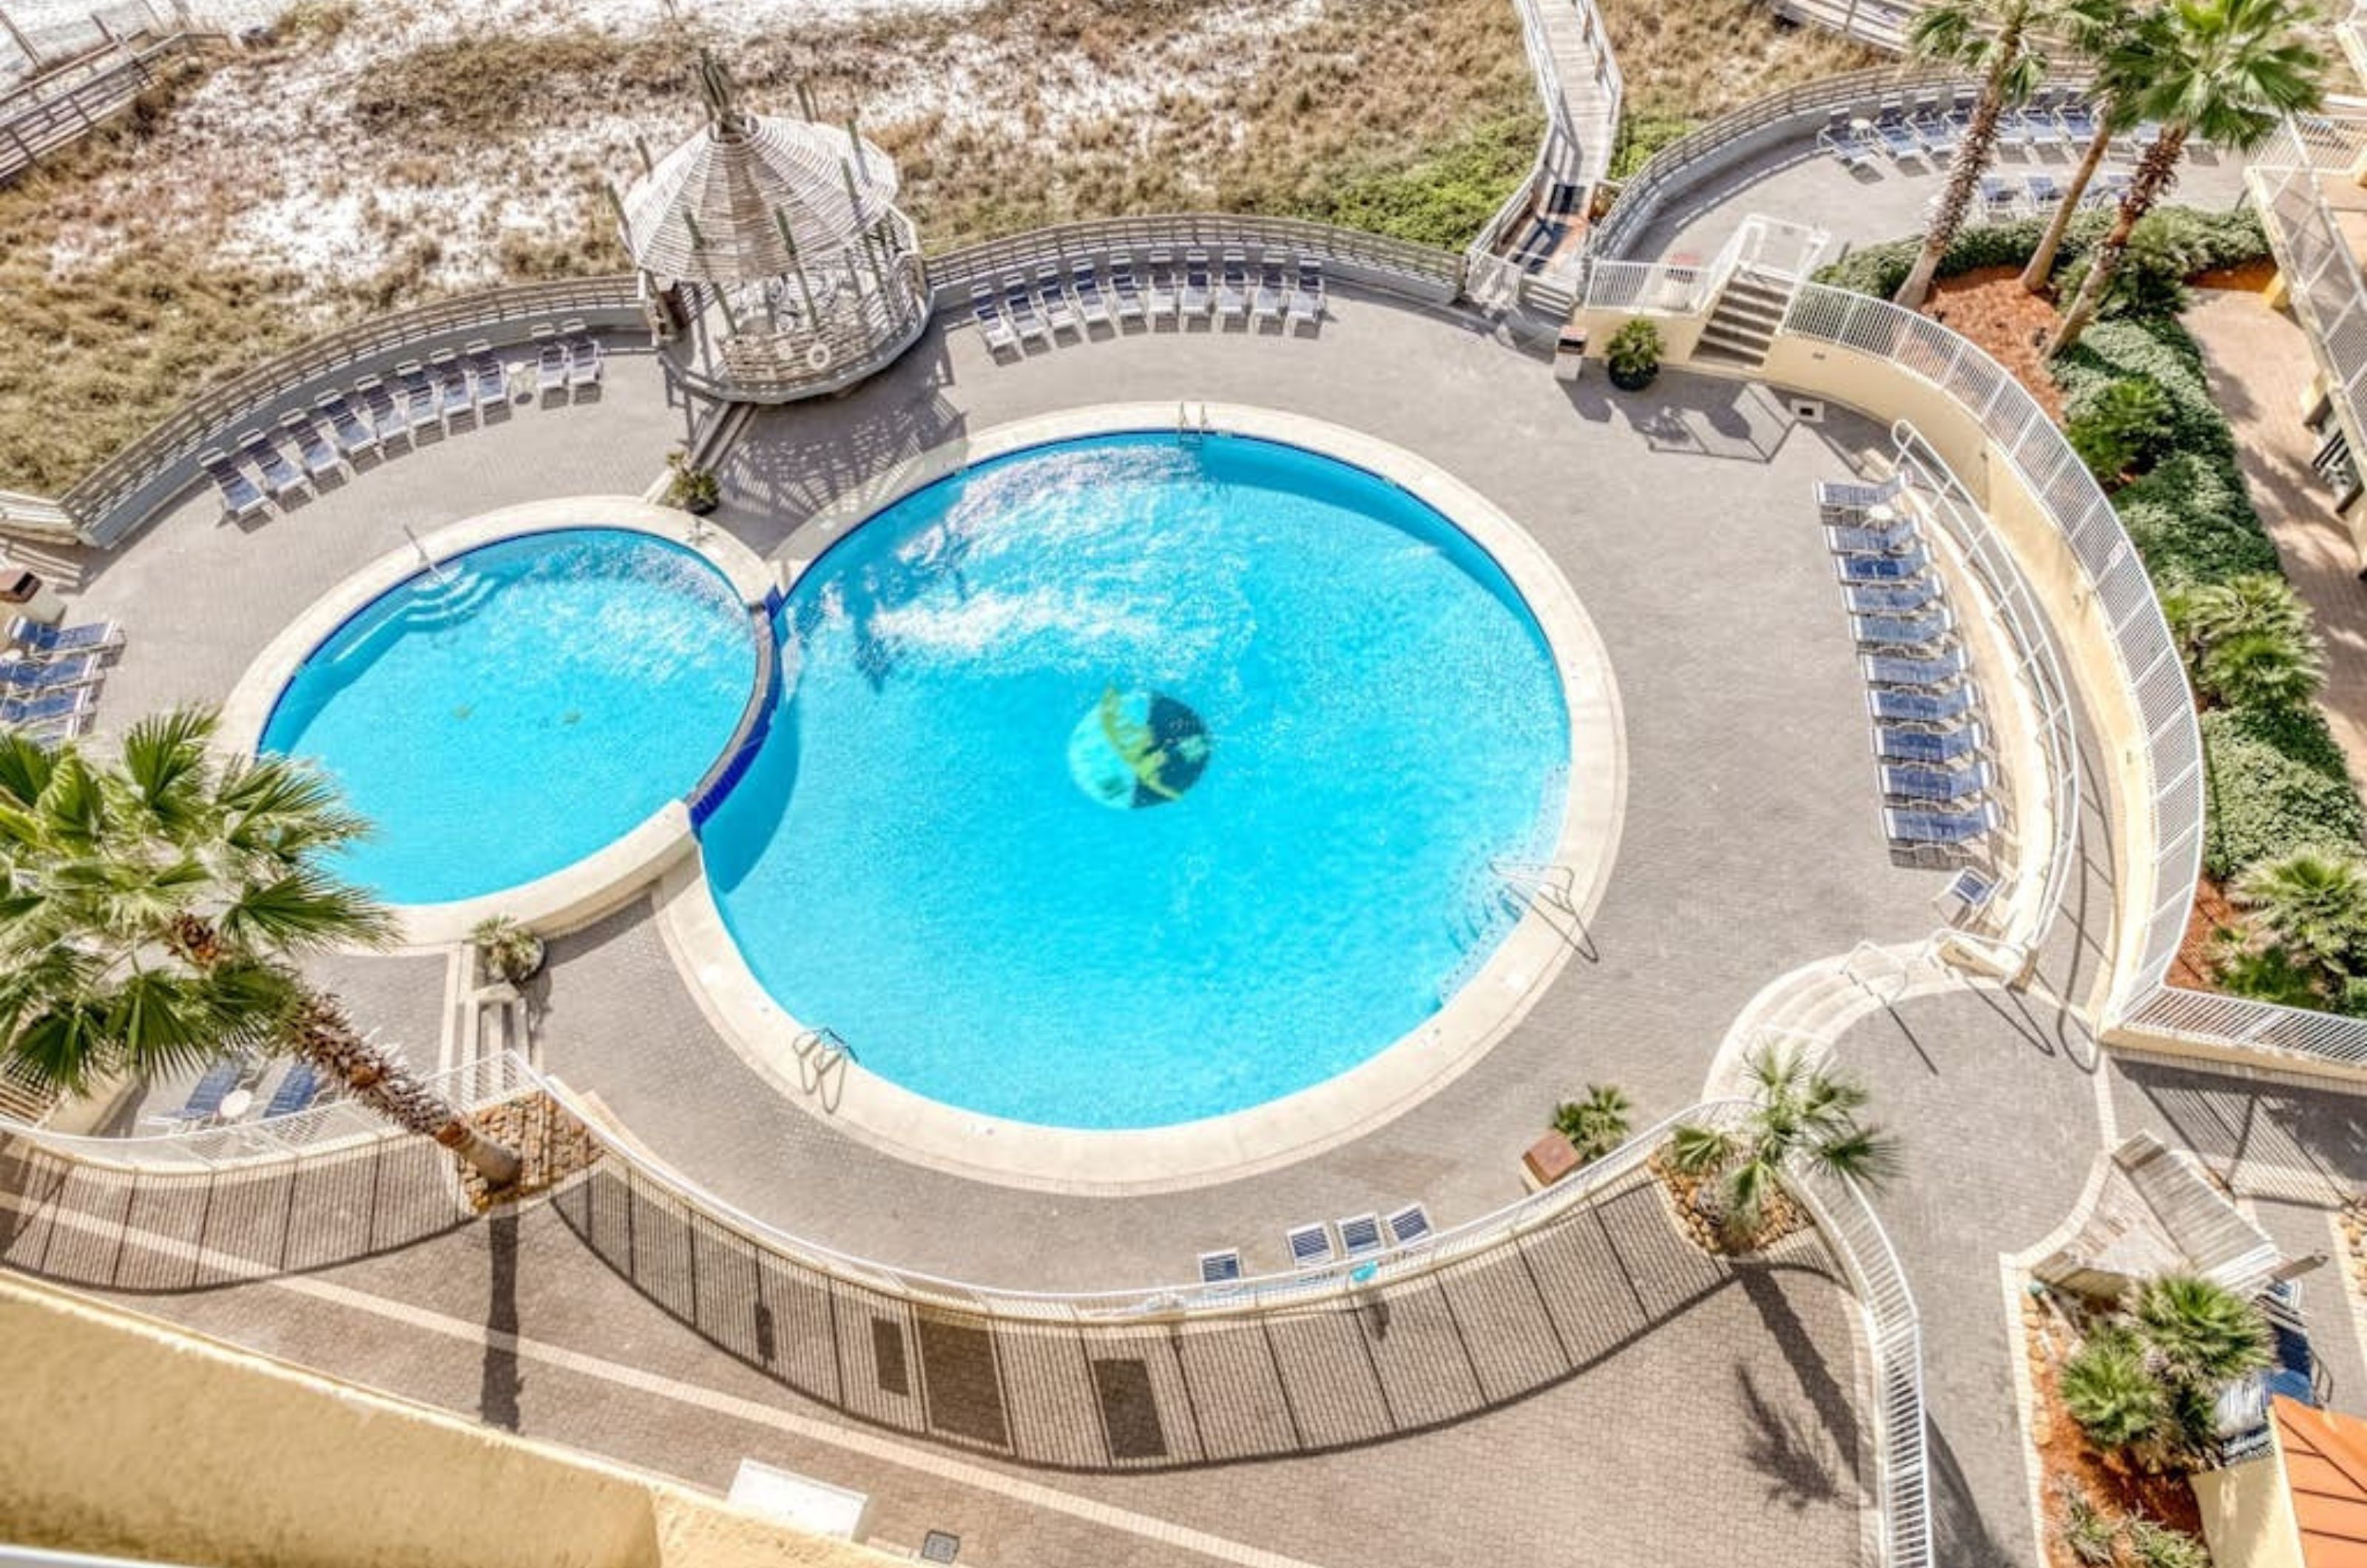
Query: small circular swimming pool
column 522, row 705
column 1124, row 782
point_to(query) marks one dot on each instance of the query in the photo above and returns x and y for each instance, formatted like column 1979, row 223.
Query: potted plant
column 696, row 490
column 509, row 951
column 1634, row 355
column 1596, row 1125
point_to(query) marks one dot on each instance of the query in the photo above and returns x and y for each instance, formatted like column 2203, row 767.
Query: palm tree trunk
column 2156, row 171
column 2035, row 277
column 1973, row 155
column 322, row 1033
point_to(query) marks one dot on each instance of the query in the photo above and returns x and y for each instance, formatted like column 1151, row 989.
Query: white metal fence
column 2172, row 744
column 2329, row 297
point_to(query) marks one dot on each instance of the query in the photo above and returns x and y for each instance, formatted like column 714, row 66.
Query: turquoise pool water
column 1121, row 783
column 527, row 703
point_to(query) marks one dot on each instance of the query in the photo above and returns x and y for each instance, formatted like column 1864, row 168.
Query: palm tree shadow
column 497, row 1394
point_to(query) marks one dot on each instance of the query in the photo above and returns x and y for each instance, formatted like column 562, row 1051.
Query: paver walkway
column 2261, row 368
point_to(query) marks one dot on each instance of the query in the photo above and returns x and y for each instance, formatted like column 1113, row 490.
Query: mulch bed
column 2194, row 967
column 552, row 1144
column 2244, row 277
column 1990, row 306
column 2109, row 1481
column 1783, row 1216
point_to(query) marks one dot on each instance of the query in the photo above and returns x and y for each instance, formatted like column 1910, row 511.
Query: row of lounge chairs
column 1085, row 294
column 1929, row 748
column 1928, row 133
column 1316, row 1244
column 2036, row 192
column 297, row 1090
column 50, row 676
column 423, row 401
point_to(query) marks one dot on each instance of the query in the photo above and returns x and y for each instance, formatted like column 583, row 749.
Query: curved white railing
column 2021, row 432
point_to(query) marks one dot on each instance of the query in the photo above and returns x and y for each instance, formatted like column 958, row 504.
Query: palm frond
column 306, row 910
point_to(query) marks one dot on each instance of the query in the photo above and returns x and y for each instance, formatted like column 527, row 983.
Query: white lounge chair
column 1360, row 1235
column 1409, row 1226
column 999, row 338
column 1126, row 293
column 1220, row 1268
column 1306, row 298
column 1085, row 284
column 1311, row 1244
column 239, row 498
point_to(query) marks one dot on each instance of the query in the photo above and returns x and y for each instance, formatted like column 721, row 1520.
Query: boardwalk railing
column 1744, row 134
column 114, row 497
column 49, row 114
column 2321, row 274
column 1395, row 267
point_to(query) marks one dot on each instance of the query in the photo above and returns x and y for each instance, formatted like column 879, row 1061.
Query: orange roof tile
column 2326, row 1469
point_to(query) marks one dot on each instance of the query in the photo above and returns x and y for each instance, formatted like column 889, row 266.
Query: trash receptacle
column 1569, row 355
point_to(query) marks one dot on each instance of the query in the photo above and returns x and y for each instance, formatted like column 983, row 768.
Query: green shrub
column 1443, row 199
column 2090, row 1534
column 1633, row 352
column 2123, row 425
column 2263, row 801
column 1642, row 135
column 2186, row 239
column 2108, row 1390
column 2159, row 1545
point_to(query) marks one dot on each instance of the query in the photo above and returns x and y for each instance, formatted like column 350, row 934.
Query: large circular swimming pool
column 1127, row 781
column 521, row 706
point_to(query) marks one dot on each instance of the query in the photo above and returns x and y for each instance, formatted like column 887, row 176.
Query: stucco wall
column 2247, row 1515
column 120, row 1435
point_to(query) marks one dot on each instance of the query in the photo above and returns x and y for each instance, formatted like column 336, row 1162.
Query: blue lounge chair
column 1166, row 294
column 1854, row 496
column 1085, row 285
column 1897, row 141
column 1946, row 830
column 1126, row 292
column 550, row 367
column 1360, row 1235
column 1892, row 599
column 454, row 396
column 1891, row 669
column 1946, row 785
column 422, row 406
column 491, row 377
column 319, row 457
column 1931, row 747
column 1849, row 148
column 1019, row 305
column 353, row 436
column 1311, row 1244
column 1233, row 287
column 1890, row 706
column 1307, row 297
column 280, row 477
column 378, row 407
column 239, row 498
column 205, row 1099
column 52, row 705
column 2043, row 192
column 296, row 1091
column 1409, row 1226
column 1197, row 297
column 2078, row 124
column 1903, row 631
column 1052, row 299
column 1890, row 539
column 48, row 642
column 1220, row 1268
column 1272, row 294
column 999, row 338
column 1882, row 568
column 24, row 675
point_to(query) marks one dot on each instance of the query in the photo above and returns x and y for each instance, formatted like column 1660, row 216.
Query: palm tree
column 2264, row 669
column 1799, row 1114
column 2116, row 37
column 1597, row 1124
column 151, row 907
column 2110, row 1390
column 2197, row 1334
column 2311, row 904
column 1999, row 41
column 2228, row 71
column 2250, row 640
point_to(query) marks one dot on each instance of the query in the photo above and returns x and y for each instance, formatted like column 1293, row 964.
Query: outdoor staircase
column 1740, row 330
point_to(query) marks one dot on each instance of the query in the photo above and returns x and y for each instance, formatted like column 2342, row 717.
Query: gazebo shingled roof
column 708, row 210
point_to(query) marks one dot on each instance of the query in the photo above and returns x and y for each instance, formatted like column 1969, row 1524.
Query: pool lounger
column 1857, row 496
column 239, row 498
column 1159, row 273
column 492, row 378
column 1052, row 299
column 1311, row 1244
column 1892, row 670
column 421, row 409
column 280, row 477
column 1360, row 1235
column 320, row 458
column 1903, row 631
column 1894, row 539
column 1882, row 568
column 1126, row 293
column 1307, row 297
column 1019, row 305
column 1086, row 285
column 1272, row 294
column 24, row 676
column 55, row 705
column 297, row 1091
column 999, row 338
column 1197, row 299
column 585, row 362
column 1914, row 782
column 206, row 1099
column 377, row 405
column 2043, row 191
column 454, row 396
column 1409, row 1226
column 353, row 436
column 1220, row 1268
column 1892, row 598
column 1900, row 142
column 1951, row 828
column 1887, row 706
column 1997, row 195
column 1929, row 747
column 48, row 642
column 550, row 367
column 1233, row 287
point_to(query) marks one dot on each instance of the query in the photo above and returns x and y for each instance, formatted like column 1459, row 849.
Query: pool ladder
column 1192, row 426
column 822, row 1058
column 1549, row 888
